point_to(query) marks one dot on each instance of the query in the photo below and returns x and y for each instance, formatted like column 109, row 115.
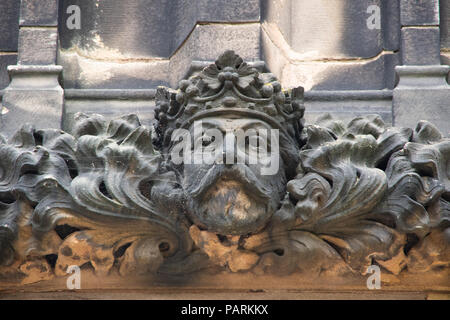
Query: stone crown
column 228, row 87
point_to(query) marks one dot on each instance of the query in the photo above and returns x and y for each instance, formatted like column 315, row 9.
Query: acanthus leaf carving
column 344, row 197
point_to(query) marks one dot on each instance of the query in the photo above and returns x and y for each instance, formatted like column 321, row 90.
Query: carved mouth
column 231, row 201
column 240, row 173
column 227, row 207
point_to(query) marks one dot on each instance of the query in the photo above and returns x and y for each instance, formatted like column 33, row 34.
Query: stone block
column 224, row 11
column 38, row 13
column 412, row 105
column 422, row 94
column 34, row 96
column 390, row 22
column 9, row 24
column 359, row 74
column 41, row 108
column 420, row 46
column 206, row 42
column 419, row 12
column 37, row 46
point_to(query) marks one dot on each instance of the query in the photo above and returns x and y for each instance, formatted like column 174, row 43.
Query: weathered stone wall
column 349, row 56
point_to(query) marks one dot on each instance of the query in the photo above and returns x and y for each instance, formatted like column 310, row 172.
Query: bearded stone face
column 232, row 197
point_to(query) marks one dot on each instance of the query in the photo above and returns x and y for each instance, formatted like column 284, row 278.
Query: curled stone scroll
column 344, row 196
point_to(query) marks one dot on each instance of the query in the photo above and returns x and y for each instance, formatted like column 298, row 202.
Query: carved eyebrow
column 218, row 124
column 210, row 124
column 259, row 125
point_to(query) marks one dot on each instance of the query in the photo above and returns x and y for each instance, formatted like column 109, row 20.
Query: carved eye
column 204, row 139
column 257, row 144
column 207, row 140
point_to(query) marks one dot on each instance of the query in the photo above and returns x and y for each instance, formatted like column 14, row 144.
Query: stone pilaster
column 422, row 92
column 34, row 94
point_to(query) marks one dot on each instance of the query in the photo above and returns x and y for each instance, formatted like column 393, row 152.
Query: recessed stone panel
column 328, row 29
column 356, row 74
column 157, row 27
column 204, row 43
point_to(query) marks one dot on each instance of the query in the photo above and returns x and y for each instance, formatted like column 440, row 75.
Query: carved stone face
column 236, row 196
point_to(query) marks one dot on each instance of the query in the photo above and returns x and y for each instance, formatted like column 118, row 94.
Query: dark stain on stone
column 66, row 251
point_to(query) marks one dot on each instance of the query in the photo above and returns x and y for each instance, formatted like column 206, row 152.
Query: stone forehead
column 231, row 123
column 236, row 116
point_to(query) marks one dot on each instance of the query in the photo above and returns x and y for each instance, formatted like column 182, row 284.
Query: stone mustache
column 345, row 196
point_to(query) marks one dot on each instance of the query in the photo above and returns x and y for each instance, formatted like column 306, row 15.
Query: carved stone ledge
column 111, row 200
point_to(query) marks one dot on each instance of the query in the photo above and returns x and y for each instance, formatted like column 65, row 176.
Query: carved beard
column 233, row 200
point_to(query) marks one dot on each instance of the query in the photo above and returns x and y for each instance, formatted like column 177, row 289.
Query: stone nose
column 229, row 149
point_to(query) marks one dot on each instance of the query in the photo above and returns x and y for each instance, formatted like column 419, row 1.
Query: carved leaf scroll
column 105, row 197
column 105, row 182
column 355, row 208
column 360, row 190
